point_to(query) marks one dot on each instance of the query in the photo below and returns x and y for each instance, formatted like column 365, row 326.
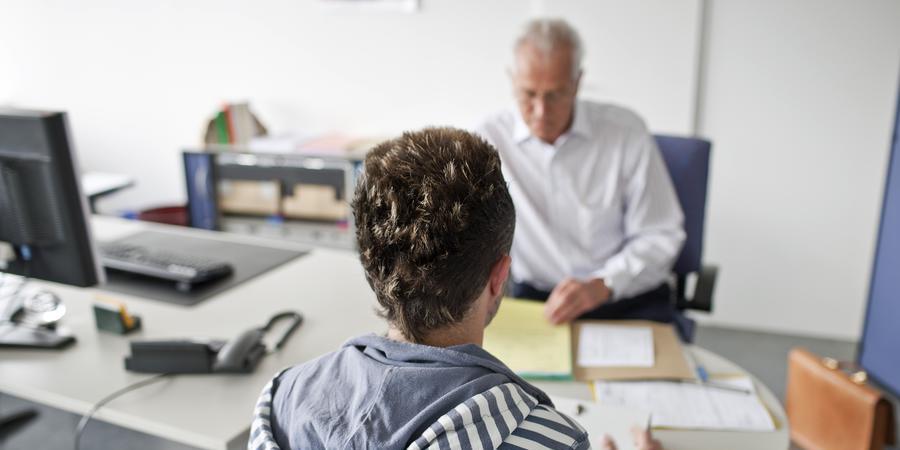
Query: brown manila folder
column 669, row 360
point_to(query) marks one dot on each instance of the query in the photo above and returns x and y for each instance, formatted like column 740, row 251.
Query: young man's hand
column 572, row 298
column 643, row 440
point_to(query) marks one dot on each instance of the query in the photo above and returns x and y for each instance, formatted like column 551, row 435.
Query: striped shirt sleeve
column 503, row 417
column 547, row 428
column 261, row 437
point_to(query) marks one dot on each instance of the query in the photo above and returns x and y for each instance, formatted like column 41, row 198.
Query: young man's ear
column 499, row 274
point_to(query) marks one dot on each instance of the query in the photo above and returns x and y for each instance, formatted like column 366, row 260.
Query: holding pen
column 641, row 437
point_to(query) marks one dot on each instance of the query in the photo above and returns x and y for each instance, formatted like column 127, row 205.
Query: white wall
column 799, row 99
column 797, row 96
column 642, row 54
column 139, row 79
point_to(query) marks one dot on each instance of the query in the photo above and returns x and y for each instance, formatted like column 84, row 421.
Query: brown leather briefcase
column 829, row 409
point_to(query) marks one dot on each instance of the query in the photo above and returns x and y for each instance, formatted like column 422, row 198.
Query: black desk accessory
column 239, row 355
column 33, row 323
column 12, row 423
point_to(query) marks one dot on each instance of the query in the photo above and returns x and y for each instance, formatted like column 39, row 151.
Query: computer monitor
column 43, row 222
column 880, row 342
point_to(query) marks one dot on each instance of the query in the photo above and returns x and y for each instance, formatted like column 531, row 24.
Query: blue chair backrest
column 688, row 162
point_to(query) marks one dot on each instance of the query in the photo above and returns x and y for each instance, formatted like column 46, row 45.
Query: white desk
column 213, row 411
column 98, row 184
column 207, row 411
column 704, row 440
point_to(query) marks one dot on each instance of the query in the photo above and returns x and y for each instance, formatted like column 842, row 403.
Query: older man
column 598, row 225
column 434, row 227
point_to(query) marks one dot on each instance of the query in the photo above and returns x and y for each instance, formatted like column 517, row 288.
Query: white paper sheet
column 93, row 183
column 691, row 406
column 597, row 419
column 615, row 346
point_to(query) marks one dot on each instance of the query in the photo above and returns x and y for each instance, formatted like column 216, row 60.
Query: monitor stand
column 31, row 323
column 29, row 336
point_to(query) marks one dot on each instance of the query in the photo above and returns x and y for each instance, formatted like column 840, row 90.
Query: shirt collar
column 580, row 125
column 521, row 133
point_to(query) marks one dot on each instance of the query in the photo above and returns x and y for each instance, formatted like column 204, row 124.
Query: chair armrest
column 703, row 291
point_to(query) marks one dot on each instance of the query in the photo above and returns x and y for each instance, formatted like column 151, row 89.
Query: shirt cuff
column 617, row 282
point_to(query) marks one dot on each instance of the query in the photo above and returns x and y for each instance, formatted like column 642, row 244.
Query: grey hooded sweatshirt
column 377, row 393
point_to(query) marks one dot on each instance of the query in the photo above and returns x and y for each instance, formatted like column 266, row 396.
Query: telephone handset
column 239, row 355
column 242, row 353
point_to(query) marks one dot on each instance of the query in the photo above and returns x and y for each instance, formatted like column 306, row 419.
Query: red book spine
column 230, row 121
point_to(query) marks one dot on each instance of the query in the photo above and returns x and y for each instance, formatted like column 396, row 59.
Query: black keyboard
column 185, row 270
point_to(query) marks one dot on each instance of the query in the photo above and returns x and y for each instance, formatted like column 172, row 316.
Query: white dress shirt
column 597, row 203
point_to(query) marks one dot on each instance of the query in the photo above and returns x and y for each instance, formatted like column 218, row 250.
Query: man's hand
column 571, row 298
column 643, row 440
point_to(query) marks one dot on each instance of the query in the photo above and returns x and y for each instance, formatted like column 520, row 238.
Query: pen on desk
column 702, row 374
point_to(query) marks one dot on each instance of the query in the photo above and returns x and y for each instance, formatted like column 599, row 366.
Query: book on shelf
column 234, row 125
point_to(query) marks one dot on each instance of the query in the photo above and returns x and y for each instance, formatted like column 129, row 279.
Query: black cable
column 79, row 430
column 296, row 320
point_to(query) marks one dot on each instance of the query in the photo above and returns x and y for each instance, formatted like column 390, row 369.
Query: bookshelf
column 298, row 197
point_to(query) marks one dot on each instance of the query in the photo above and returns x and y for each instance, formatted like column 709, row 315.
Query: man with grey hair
column 598, row 224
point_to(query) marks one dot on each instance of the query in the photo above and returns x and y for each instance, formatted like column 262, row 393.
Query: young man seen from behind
column 434, row 225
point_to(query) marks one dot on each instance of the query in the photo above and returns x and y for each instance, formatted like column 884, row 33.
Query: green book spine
column 222, row 127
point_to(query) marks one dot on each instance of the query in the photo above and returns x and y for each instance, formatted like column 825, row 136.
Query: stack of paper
column 528, row 344
column 692, row 406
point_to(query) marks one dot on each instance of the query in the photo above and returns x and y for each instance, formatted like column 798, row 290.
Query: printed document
column 615, row 346
column 691, row 406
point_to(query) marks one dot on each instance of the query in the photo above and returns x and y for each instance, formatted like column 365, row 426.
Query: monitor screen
column 879, row 351
column 43, row 224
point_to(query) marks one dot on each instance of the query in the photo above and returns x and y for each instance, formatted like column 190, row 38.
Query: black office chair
column 688, row 162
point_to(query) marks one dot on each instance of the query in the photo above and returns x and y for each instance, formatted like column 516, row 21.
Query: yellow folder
column 522, row 338
column 528, row 344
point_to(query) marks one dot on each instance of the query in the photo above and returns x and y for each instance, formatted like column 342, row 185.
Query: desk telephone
column 239, row 355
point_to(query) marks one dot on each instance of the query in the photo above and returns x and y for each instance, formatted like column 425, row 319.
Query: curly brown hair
column 433, row 215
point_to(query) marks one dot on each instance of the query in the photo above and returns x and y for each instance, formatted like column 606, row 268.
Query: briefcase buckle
column 859, row 377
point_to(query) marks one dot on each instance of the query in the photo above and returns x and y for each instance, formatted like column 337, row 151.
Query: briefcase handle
column 860, row 377
column 856, row 374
